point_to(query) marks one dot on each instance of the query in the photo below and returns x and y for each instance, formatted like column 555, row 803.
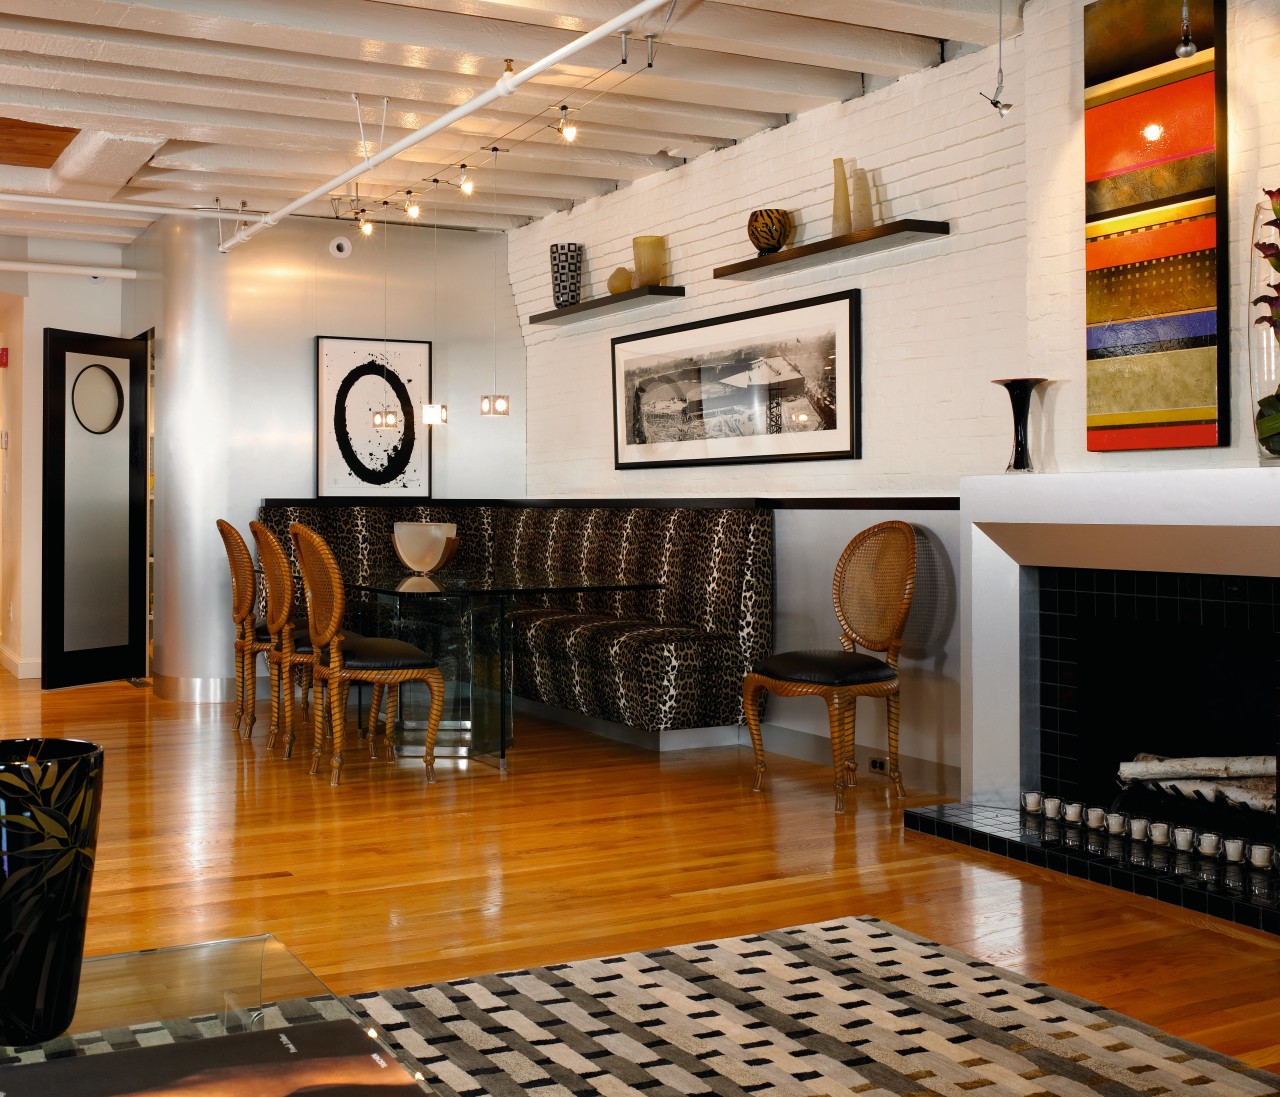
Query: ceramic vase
column 621, row 280
column 1264, row 331
column 51, row 790
column 841, row 217
column 1020, row 390
column 566, row 274
column 424, row 547
column 650, row 253
column 769, row 230
column 860, row 200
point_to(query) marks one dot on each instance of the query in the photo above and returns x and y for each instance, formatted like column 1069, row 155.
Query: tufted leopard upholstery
column 657, row 660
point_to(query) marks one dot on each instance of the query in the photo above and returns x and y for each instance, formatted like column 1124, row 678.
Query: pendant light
column 385, row 418
column 435, row 415
column 495, row 403
column 1186, row 48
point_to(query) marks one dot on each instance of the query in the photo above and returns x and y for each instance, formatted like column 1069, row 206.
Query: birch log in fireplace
column 1239, row 780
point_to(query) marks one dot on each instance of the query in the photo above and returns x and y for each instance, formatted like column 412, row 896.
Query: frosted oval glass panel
column 97, row 399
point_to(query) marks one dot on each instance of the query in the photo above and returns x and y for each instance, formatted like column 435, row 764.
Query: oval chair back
column 874, row 583
column 241, row 572
column 247, row 643
column 277, row 578
column 322, row 584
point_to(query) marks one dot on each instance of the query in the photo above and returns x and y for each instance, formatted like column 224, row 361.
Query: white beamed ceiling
column 191, row 102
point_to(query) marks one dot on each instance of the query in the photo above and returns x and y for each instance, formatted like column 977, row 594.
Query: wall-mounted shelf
column 614, row 302
column 895, row 234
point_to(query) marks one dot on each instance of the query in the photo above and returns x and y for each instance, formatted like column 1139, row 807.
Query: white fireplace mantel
column 1212, row 521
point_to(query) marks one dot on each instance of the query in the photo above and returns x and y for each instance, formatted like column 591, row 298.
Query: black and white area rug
column 848, row 1006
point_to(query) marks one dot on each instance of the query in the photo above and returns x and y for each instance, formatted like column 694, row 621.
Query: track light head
column 1186, row 48
column 465, row 183
column 566, row 128
column 411, row 207
column 995, row 101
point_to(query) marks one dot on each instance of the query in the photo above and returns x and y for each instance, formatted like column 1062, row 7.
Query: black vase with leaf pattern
column 50, row 795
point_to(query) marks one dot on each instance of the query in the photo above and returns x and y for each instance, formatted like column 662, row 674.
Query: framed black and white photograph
column 368, row 438
column 773, row 384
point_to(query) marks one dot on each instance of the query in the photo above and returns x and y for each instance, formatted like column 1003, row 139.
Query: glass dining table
column 462, row 619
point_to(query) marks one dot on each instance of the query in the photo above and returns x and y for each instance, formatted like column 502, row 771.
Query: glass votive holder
column 1116, row 822
column 650, row 255
column 1161, row 833
column 1073, row 811
column 1261, row 854
column 1233, row 849
column 1052, row 807
column 1095, row 818
column 1140, row 828
column 1032, row 802
column 1209, row 844
column 1184, row 839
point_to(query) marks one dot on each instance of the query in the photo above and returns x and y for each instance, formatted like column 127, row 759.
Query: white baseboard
column 19, row 668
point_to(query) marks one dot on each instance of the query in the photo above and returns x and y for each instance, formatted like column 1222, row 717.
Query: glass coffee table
column 233, row 994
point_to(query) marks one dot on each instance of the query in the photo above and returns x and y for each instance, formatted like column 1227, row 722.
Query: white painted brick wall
column 1002, row 296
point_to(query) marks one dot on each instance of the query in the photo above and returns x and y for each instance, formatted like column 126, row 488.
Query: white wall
column 235, row 390
column 47, row 301
column 1002, row 296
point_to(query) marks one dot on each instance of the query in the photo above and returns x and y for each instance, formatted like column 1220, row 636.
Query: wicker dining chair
column 250, row 638
column 290, row 654
column 874, row 582
column 339, row 660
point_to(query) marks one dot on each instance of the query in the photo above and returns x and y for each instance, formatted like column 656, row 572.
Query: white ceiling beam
column 104, row 83
column 97, row 164
column 202, row 73
column 360, row 29
column 723, row 28
column 957, row 20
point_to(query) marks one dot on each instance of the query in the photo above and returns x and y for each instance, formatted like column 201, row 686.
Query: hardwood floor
column 587, row 847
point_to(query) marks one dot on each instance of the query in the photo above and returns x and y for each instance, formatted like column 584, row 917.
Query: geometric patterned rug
column 848, row 1006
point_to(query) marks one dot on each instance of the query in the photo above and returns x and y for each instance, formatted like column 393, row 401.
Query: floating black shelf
column 895, row 234
column 614, row 302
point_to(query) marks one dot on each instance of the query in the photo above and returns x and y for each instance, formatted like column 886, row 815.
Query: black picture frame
column 781, row 383
column 353, row 459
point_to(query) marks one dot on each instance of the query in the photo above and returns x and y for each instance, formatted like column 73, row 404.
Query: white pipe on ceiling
column 506, row 84
column 121, row 207
column 24, row 267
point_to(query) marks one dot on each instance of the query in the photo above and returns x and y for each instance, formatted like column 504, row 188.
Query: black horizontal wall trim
column 864, row 502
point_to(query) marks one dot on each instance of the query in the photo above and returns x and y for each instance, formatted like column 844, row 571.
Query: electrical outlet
column 877, row 764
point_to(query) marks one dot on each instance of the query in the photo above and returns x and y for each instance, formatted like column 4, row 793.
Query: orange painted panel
column 1173, row 436
column 1155, row 243
column 1153, row 127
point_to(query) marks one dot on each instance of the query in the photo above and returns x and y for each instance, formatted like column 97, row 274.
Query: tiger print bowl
column 769, row 229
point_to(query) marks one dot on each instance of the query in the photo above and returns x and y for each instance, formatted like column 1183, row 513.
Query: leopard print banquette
column 657, row 660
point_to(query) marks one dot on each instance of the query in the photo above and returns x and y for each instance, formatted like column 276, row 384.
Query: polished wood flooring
column 587, row 847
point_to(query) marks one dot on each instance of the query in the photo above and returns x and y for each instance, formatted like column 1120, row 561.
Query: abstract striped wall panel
column 1155, row 248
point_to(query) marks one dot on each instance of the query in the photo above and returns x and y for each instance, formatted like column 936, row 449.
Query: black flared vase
column 50, row 793
column 1020, row 390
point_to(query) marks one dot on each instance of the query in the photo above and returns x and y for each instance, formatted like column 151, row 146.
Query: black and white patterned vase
column 566, row 274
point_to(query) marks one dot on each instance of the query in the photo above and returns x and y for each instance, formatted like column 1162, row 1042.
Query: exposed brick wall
column 1002, row 296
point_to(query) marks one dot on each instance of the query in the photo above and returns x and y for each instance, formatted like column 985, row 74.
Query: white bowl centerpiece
column 425, row 547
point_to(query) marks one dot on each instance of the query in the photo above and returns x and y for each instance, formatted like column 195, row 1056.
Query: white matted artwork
column 774, row 384
column 368, row 439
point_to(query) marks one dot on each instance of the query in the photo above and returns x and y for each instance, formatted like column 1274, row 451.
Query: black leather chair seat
column 301, row 637
column 825, row 668
column 378, row 653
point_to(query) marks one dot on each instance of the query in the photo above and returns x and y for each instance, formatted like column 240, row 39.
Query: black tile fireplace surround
column 1174, row 664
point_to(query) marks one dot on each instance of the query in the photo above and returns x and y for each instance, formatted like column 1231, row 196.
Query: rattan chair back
column 241, row 572
column 322, row 584
column 874, row 582
column 277, row 577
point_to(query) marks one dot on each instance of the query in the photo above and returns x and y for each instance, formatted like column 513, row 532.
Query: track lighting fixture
column 994, row 99
column 385, row 420
column 435, row 415
column 566, row 129
column 465, row 182
column 1186, row 48
column 366, row 226
column 411, row 207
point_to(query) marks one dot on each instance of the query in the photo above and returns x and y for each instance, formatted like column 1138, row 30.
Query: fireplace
column 1133, row 549
column 1175, row 664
